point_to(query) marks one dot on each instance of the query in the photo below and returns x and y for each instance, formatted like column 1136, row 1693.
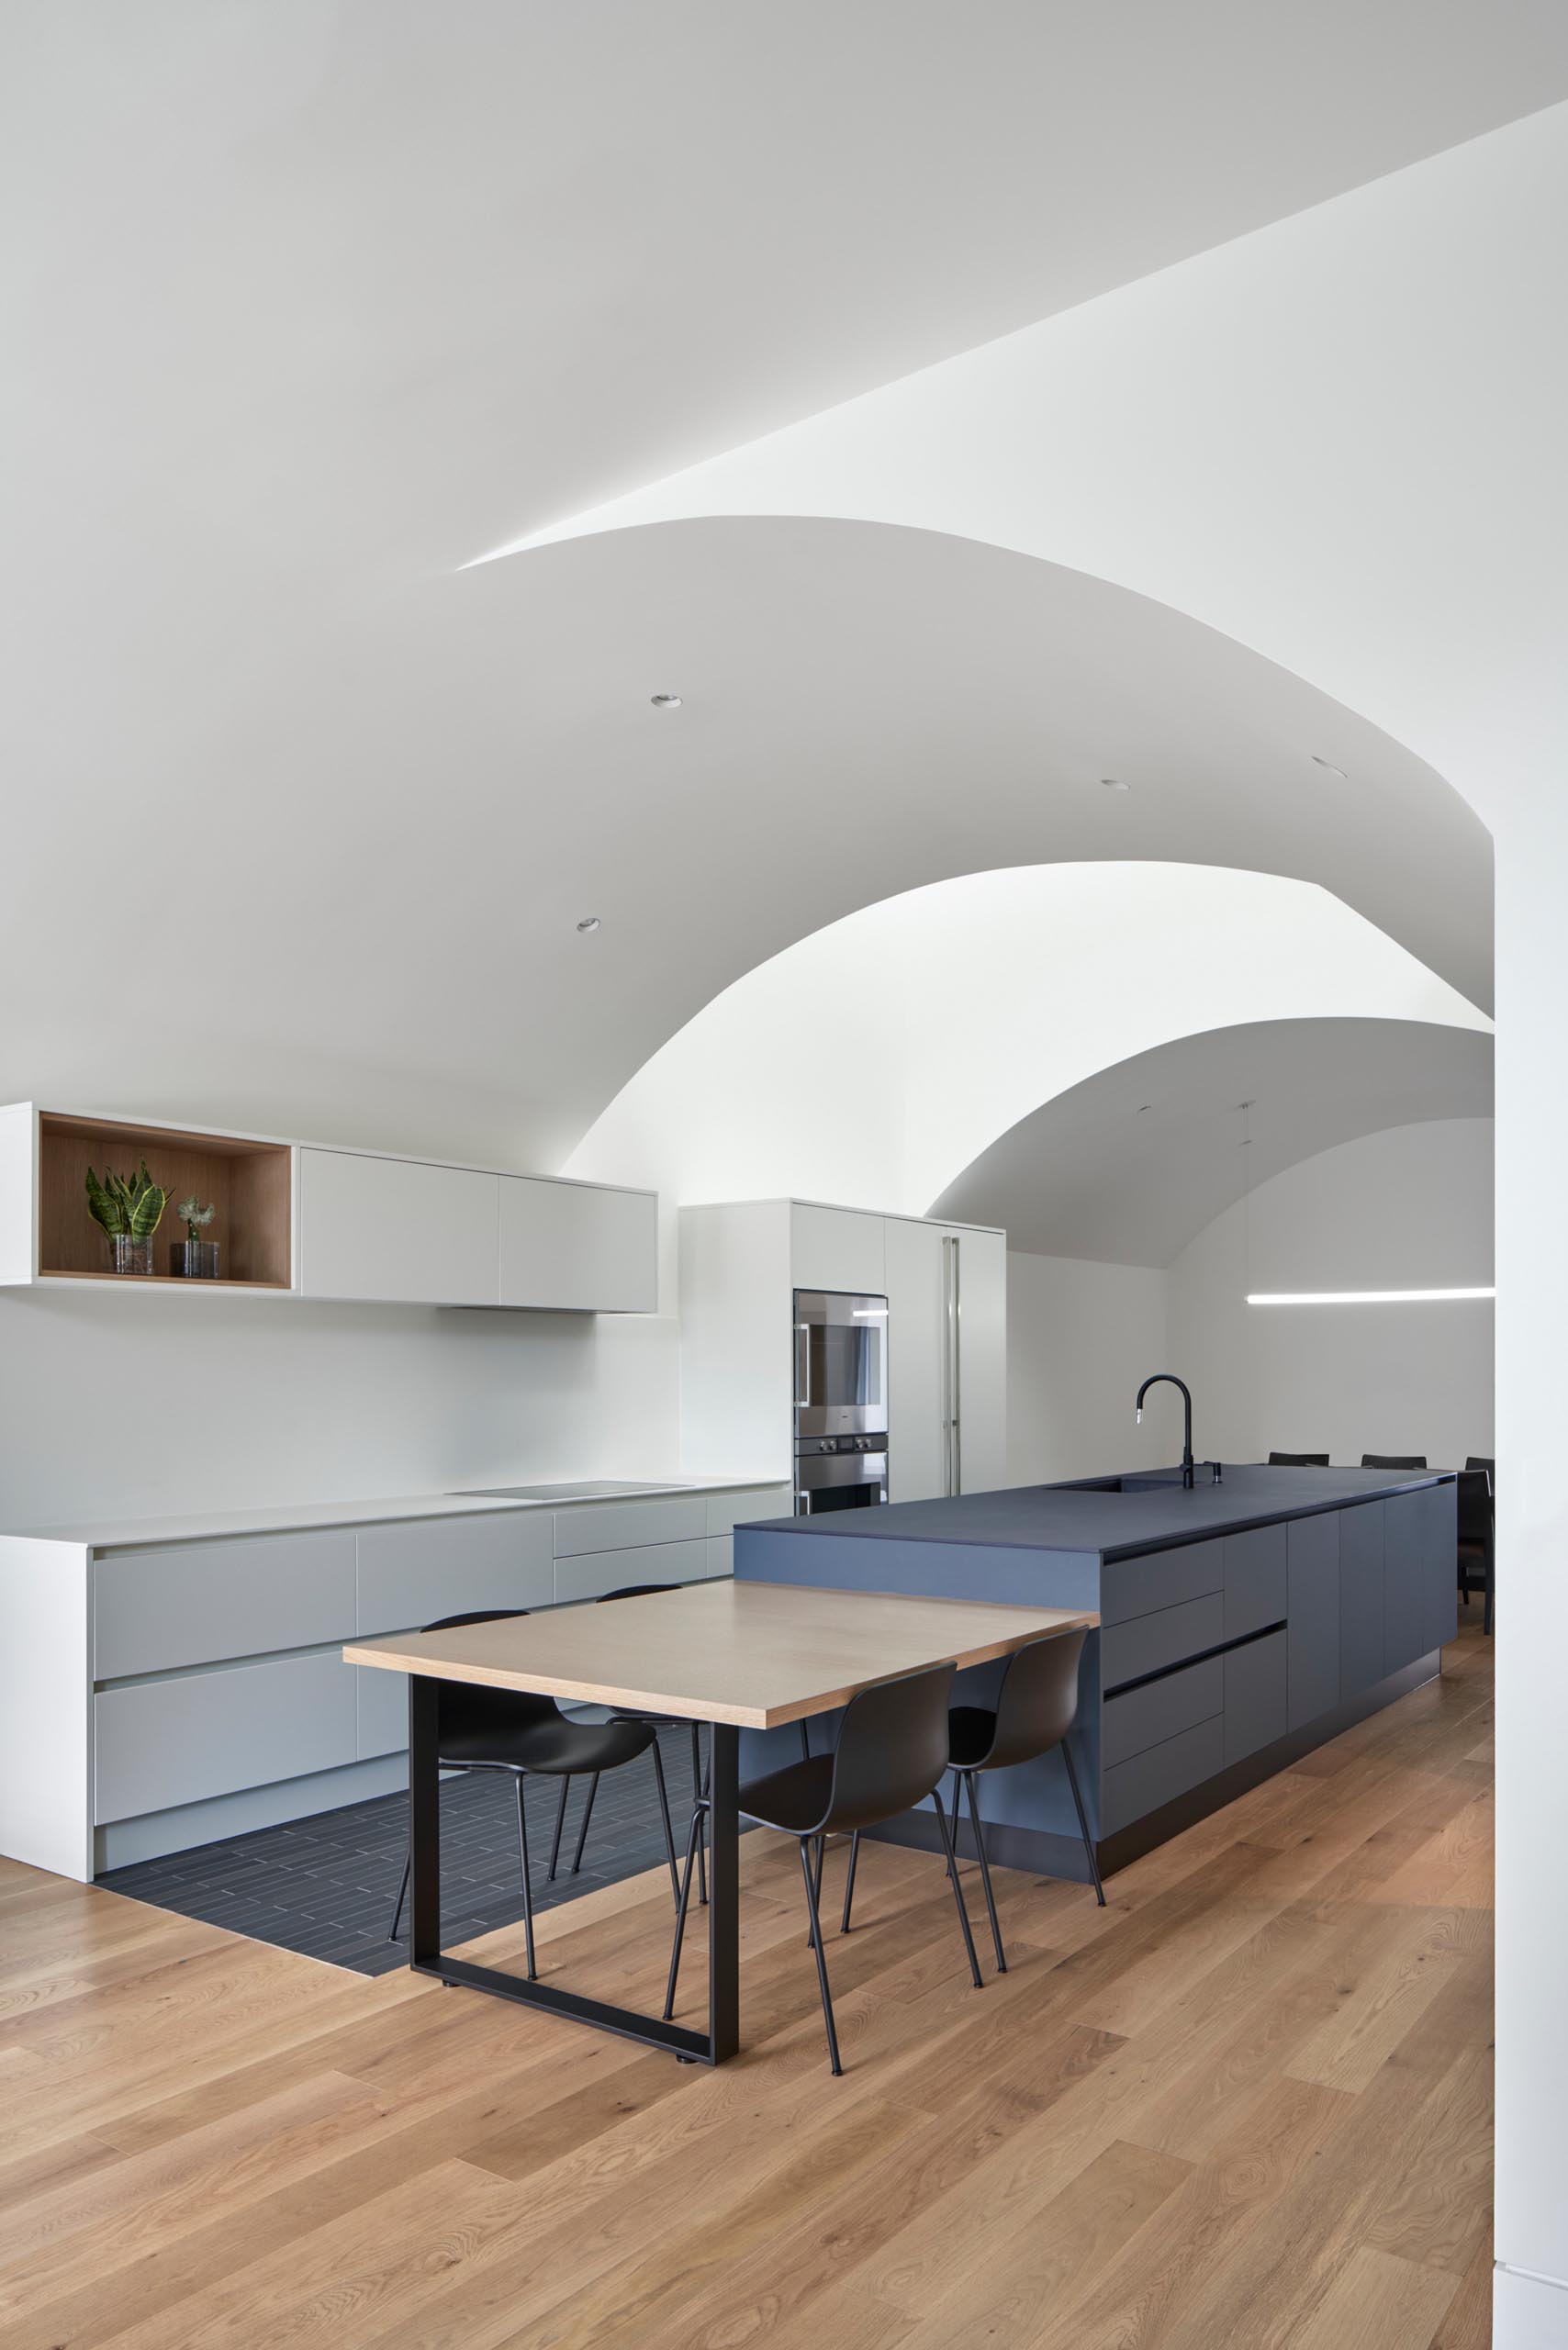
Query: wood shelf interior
column 247, row 1181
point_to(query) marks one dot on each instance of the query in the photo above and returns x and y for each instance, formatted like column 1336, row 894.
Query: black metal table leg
column 715, row 2046
column 723, row 1895
column 424, row 1822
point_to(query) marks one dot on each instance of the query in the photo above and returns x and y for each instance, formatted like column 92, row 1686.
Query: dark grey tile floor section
column 326, row 1886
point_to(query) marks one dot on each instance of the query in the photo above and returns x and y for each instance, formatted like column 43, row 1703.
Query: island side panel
column 1036, row 1796
column 46, row 1705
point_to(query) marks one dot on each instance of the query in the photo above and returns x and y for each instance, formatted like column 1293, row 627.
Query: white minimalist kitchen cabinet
column 836, row 1249
column 946, row 1360
column 577, row 1248
column 395, row 1228
column 918, row 1360
column 309, row 1220
column 400, row 1230
column 741, row 1263
column 413, row 1569
column 162, row 1684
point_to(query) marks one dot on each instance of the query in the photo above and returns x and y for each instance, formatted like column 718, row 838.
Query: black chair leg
column 698, row 1792
column 664, row 1815
column 1083, row 1825
column 402, row 1897
column 958, row 1888
column 985, row 1871
column 582, row 1828
column 849, row 1881
column 817, row 1947
column 1487, row 1611
column 560, row 1823
column 693, row 1846
column 527, row 1887
column 819, row 1857
column 953, row 1863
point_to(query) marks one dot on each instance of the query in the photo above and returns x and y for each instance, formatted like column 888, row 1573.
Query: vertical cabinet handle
column 952, row 1369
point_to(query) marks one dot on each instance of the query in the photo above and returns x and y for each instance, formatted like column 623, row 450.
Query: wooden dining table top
column 755, row 1654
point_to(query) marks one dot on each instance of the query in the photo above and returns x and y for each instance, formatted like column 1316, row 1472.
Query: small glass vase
column 196, row 1260
column 130, row 1256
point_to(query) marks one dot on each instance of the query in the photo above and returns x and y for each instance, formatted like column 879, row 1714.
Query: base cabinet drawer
column 602, row 1570
column 165, row 1742
column 1147, row 1717
column 726, row 1511
column 628, row 1526
column 196, row 1602
column 381, row 1711
column 1148, row 1643
column 418, row 1569
column 1254, row 1695
column 1159, row 1578
column 1131, row 1790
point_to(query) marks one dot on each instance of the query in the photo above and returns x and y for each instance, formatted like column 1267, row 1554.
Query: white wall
column 117, row 1406
column 1082, row 1338
column 1410, row 1207
column 1407, row 1208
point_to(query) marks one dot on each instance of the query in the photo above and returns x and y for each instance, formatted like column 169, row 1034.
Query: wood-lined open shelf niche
column 249, row 1182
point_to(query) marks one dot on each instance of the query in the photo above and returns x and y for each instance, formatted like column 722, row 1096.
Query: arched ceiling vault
column 875, row 1061
column 1131, row 1165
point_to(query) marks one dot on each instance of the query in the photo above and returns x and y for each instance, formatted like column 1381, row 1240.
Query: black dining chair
column 1299, row 1460
column 513, row 1730
column 1036, row 1707
column 1393, row 1461
column 1477, row 1529
column 889, row 1756
column 659, row 1721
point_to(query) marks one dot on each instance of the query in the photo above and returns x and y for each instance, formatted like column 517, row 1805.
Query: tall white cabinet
column 947, row 1290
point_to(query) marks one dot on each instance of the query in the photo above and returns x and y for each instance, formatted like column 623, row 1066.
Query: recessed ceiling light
column 590, row 922
column 1328, row 768
column 1109, row 783
column 664, row 702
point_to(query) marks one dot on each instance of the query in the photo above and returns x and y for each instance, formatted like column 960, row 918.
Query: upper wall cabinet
column 576, row 1248
column 301, row 1220
column 444, row 1236
column 47, row 1232
column 836, row 1249
column 396, row 1228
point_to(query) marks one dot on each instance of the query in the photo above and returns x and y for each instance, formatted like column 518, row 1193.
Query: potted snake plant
column 130, row 1213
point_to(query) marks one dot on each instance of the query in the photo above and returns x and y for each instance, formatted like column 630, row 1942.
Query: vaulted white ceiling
column 1131, row 1163
column 312, row 303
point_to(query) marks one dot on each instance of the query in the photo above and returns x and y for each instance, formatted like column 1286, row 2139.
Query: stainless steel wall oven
column 841, row 1401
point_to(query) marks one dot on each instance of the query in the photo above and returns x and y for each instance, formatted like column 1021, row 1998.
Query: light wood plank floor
column 1247, row 2104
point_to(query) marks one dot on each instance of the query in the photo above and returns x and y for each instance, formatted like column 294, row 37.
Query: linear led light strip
column 1362, row 1297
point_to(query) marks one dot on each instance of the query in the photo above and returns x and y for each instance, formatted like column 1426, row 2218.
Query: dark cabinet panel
column 1149, row 1716
column 1312, row 1554
column 1439, row 1565
column 1137, row 1586
column 1361, row 1597
column 1151, row 1642
column 1403, row 1528
column 1132, row 1788
column 1254, row 1580
column 1254, row 1695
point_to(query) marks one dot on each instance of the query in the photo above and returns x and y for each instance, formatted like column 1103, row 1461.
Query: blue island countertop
column 1151, row 1512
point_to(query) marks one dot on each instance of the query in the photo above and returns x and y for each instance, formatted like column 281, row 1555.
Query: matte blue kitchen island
column 1242, row 1624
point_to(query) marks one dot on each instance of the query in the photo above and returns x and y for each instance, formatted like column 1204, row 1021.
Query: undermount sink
column 1152, row 1481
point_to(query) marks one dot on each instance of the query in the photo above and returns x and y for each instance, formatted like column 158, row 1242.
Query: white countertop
column 217, row 1525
